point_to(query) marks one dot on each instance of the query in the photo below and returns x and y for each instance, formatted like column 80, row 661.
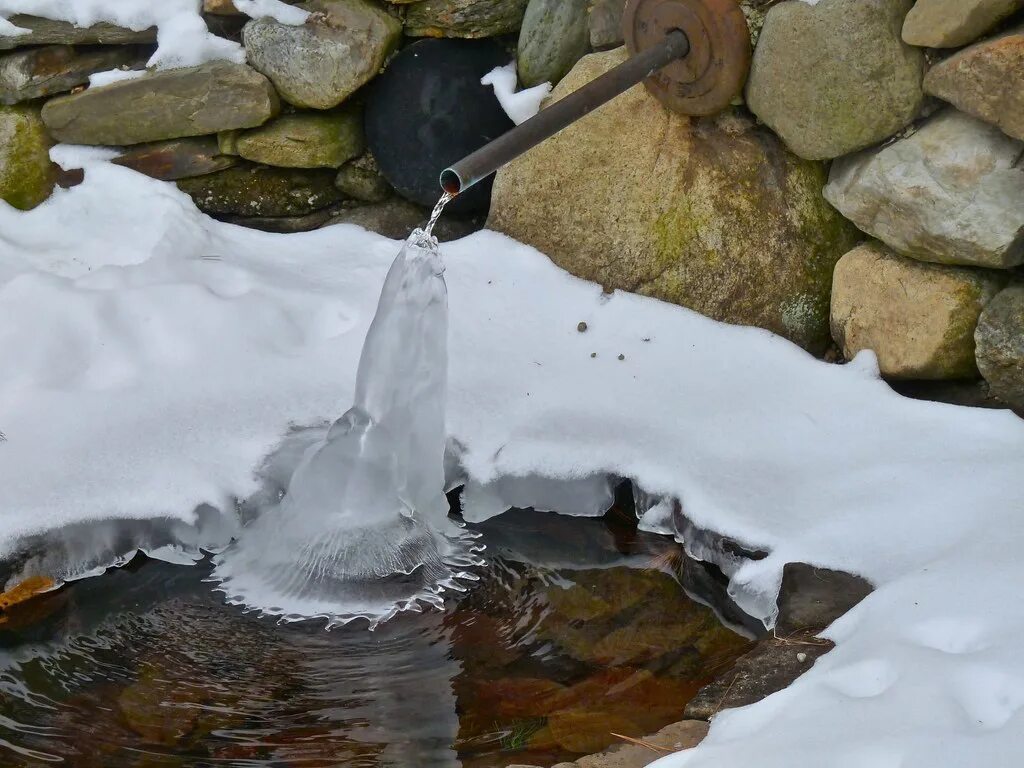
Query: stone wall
column 867, row 192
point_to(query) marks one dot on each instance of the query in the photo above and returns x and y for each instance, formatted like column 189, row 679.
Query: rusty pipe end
column 451, row 181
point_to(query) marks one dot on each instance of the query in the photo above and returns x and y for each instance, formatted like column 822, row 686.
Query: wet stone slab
column 177, row 158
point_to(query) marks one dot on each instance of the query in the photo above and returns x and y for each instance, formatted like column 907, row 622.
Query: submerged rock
column 554, row 36
column 952, row 23
column 37, row 72
column 952, row 193
column 305, row 139
column 177, row 158
column 48, row 31
column 168, row 104
column 985, row 80
column 463, row 18
column 862, row 85
column 254, row 190
column 918, row 318
column 27, row 176
column 1000, row 340
column 322, row 62
column 712, row 214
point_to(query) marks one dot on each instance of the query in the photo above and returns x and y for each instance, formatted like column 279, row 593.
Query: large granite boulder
column 305, row 139
column 952, row 23
column 324, row 61
column 985, row 80
column 712, row 214
column 26, row 174
column 464, row 18
column 555, row 35
column 918, row 318
column 36, row 72
column 861, row 85
column 48, row 31
column 167, row 104
column 1000, row 345
column 952, row 193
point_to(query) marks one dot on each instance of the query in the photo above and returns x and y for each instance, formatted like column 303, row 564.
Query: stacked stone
column 907, row 118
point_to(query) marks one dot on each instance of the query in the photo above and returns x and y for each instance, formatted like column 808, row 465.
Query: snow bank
column 520, row 106
column 153, row 358
column 183, row 39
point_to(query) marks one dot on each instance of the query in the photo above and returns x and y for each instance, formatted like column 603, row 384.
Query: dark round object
column 428, row 110
column 705, row 81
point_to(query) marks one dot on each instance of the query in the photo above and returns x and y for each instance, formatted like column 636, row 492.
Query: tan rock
column 674, row 737
column 985, row 80
column 952, row 23
column 918, row 318
column 713, row 214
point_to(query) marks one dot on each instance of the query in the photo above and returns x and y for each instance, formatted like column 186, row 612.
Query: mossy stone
column 256, row 190
column 713, row 214
column 27, row 175
column 304, row 139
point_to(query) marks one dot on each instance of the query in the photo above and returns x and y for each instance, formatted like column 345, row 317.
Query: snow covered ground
column 152, row 359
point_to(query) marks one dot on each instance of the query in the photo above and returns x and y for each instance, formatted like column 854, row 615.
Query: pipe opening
column 450, row 181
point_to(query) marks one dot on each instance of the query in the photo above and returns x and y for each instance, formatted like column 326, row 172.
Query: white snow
column 98, row 79
column 153, row 358
column 520, row 106
column 183, row 39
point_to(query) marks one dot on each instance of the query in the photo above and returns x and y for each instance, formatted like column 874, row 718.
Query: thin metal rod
column 549, row 121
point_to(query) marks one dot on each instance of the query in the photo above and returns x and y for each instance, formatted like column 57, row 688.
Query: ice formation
column 519, row 106
column 362, row 529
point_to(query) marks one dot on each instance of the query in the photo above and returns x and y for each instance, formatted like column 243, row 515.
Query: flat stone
column 322, row 62
column 866, row 88
column 361, row 179
column 952, row 23
column 675, row 737
column 810, row 598
column 47, row 31
column 168, row 104
column 37, row 72
column 305, row 139
column 254, row 190
column 176, row 158
column 772, row 665
column 27, row 176
column 918, row 318
column 397, row 217
column 951, row 193
column 464, row 18
column 555, row 35
column 1000, row 340
column 286, row 225
column 605, row 24
column 985, row 81
column 713, row 214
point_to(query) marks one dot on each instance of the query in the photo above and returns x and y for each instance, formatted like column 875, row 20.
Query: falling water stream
column 363, row 528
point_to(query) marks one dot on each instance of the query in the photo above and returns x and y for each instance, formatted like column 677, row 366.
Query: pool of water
column 577, row 630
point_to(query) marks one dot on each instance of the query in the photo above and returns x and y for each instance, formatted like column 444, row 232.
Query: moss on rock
column 27, row 175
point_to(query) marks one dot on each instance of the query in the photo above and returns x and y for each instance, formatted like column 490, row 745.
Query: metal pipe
column 550, row 120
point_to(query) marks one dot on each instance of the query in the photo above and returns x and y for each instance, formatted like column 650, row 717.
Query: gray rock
column 952, row 193
column 952, row 23
column 177, row 158
column 322, row 62
column 464, row 18
column 554, row 36
column 27, row 176
column 756, row 11
column 1000, row 342
column 861, row 85
column 35, row 72
column 46, row 32
column 918, row 318
column 810, row 598
column 361, row 179
column 397, row 217
column 255, row 190
column 167, row 104
column 287, row 225
column 605, row 24
column 985, row 81
column 772, row 665
column 713, row 214
column 304, row 139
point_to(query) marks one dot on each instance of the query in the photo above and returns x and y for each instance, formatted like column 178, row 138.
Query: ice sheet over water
column 362, row 529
